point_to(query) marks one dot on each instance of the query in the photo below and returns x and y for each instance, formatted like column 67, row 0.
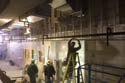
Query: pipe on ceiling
column 88, row 35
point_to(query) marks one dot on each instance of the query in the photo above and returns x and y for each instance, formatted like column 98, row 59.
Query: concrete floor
column 11, row 71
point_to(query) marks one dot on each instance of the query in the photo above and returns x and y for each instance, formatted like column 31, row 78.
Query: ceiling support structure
column 7, row 24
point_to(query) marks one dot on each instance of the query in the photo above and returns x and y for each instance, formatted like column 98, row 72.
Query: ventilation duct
column 78, row 5
column 42, row 10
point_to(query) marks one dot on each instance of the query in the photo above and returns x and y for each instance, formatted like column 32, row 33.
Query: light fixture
column 27, row 31
column 81, row 15
column 33, row 19
column 31, row 38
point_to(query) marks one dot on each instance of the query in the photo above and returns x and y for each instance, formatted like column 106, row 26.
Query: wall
column 61, row 54
column 56, row 51
column 97, row 52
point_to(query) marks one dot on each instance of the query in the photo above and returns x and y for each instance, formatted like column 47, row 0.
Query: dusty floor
column 11, row 71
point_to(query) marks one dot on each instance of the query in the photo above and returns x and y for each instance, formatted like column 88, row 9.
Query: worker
column 49, row 72
column 72, row 52
column 32, row 71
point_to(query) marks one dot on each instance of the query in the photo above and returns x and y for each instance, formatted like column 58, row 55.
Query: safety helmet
column 48, row 62
column 32, row 61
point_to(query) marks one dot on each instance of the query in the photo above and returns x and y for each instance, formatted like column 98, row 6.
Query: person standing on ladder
column 72, row 51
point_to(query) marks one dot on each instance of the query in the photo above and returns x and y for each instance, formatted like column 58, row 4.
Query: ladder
column 72, row 60
column 4, row 78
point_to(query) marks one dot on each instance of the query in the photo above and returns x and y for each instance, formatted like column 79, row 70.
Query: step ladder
column 72, row 61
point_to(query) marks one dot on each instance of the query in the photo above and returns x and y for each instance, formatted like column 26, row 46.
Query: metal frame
column 89, row 69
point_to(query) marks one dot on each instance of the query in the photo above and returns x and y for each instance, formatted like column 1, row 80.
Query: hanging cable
column 81, row 24
column 109, row 32
column 90, row 17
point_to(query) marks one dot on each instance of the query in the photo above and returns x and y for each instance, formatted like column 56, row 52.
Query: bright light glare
column 63, row 47
column 6, row 38
column 27, row 31
column 31, row 38
column 1, row 38
column 1, row 32
column 24, row 20
column 30, row 19
column 13, row 45
column 34, row 18
column 5, row 20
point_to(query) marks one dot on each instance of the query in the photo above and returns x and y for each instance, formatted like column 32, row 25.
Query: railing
column 89, row 68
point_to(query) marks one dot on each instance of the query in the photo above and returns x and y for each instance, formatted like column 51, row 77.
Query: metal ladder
column 71, row 58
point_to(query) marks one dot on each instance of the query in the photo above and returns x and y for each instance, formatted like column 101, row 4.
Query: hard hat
column 33, row 61
column 48, row 62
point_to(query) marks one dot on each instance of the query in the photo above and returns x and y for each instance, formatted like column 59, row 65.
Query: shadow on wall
column 102, row 53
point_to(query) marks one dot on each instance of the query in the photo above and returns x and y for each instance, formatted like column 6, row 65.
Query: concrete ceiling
column 16, row 8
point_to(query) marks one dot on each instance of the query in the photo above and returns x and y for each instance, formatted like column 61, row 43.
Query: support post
column 89, row 73
column 43, row 40
column 121, row 78
column 119, row 81
column 78, row 74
